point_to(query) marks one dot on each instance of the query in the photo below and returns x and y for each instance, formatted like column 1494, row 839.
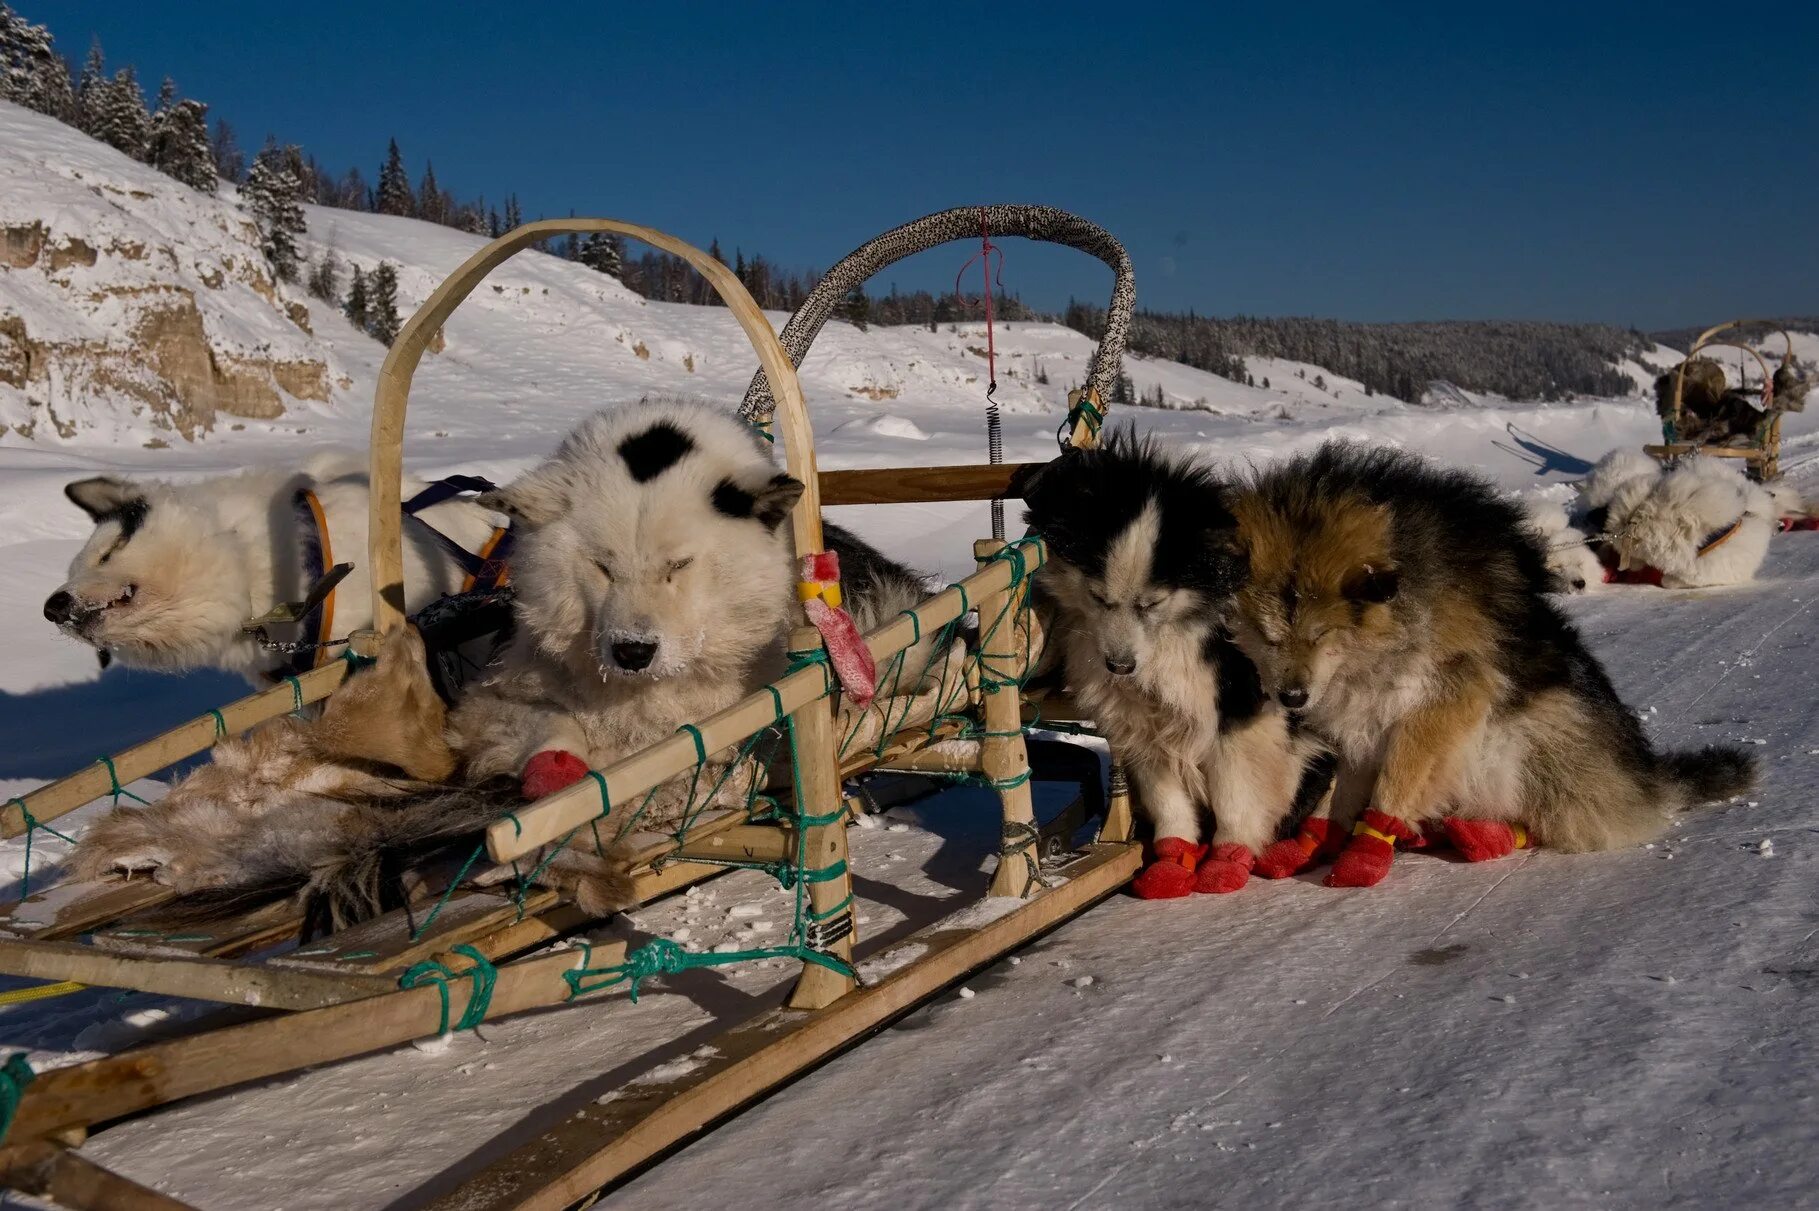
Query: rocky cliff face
column 130, row 302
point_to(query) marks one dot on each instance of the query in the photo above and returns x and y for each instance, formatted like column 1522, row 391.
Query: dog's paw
column 1226, row 869
column 1171, row 874
column 1483, row 840
column 1282, row 859
column 549, row 771
column 1367, row 857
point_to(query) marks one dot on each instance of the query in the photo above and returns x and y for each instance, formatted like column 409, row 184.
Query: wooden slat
column 71, row 1180
column 69, row 909
column 203, row 979
column 82, row 1095
column 601, row 1143
column 920, row 485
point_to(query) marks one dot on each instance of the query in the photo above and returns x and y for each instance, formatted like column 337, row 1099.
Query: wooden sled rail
column 186, row 740
column 920, row 485
column 553, row 817
column 627, row 1131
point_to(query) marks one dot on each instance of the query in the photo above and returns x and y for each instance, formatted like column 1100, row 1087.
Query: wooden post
column 70, row 1180
column 1002, row 755
column 1118, row 825
column 823, row 845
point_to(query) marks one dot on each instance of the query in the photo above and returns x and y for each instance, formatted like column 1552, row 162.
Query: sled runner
column 1701, row 414
column 450, row 959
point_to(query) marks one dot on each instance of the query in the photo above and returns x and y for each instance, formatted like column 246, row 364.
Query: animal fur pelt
column 1711, row 413
column 1144, row 561
column 173, row 570
column 655, row 587
column 342, row 813
column 1400, row 609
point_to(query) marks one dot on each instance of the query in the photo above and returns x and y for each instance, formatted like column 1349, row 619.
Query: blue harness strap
column 487, row 569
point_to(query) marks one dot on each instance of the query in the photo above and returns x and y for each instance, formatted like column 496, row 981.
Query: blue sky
column 1364, row 161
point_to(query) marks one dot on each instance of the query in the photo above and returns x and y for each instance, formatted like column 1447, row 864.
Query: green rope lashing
column 660, row 956
column 15, row 1075
column 482, row 974
column 1083, row 411
column 32, row 827
column 606, row 800
column 220, row 724
column 296, row 694
column 1020, row 838
column 114, row 787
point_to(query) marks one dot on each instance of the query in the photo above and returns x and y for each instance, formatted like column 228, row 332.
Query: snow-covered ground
column 1628, row 1029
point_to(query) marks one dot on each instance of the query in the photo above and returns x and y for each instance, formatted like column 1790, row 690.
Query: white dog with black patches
column 655, row 587
column 173, row 570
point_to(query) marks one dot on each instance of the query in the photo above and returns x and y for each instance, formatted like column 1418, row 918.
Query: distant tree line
column 1518, row 359
column 1683, row 338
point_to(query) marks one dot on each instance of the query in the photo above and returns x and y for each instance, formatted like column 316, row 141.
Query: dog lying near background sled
column 1698, row 524
column 173, row 571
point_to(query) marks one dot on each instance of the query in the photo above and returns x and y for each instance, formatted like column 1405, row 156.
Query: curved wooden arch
column 385, row 541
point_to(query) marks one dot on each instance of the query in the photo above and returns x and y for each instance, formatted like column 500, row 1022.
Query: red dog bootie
column 1171, row 873
column 1484, row 840
column 549, row 771
column 1284, row 858
column 1367, row 857
column 1227, row 868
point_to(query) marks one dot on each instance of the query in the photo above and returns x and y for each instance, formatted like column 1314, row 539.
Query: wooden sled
column 1762, row 451
column 415, row 972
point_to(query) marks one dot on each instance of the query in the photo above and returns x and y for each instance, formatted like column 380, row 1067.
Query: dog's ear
column 102, row 496
column 534, row 499
column 1372, row 585
column 1026, row 479
column 768, row 503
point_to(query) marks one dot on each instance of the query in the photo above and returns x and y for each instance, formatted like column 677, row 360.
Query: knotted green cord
column 15, row 1075
column 220, row 725
column 660, row 956
column 483, row 975
column 114, row 787
column 32, row 826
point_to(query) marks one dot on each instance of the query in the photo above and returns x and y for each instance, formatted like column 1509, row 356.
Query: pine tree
column 382, row 304
column 32, row 73
column 493, row 228
column 429, row 197
column 514, row 217
column 357, row 307
column 179, row 145
column 323, row 277
column 120, row 119
column 230, row 161
column 274, row 197
column 91, row 86
column 854, row 307
column 394, row 195
column 602, row 251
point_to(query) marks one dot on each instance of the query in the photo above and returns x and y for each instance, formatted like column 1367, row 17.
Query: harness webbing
column 487, row 570
column 318, row 558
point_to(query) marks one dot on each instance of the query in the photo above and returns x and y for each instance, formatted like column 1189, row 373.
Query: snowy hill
column 133, row 308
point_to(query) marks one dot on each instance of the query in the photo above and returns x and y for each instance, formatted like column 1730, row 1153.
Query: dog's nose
column 1120, row 668
column 1294, row 698
column 631, row 655
column 60, row 608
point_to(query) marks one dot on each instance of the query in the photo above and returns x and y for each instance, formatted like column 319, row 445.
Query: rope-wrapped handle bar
column 1044, row 223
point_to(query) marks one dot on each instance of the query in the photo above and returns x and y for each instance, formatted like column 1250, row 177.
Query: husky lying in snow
column 1702, row 523
column 655, row 587
column 173, row 570
column 1144, row 561
column 1572, row 563
column 1399, row 609
column 338, row 811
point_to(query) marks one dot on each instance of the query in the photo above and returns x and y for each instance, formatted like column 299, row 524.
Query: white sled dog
column 1145, row 561
column 173, row 570
column 1702, row 523
column 655, row 587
